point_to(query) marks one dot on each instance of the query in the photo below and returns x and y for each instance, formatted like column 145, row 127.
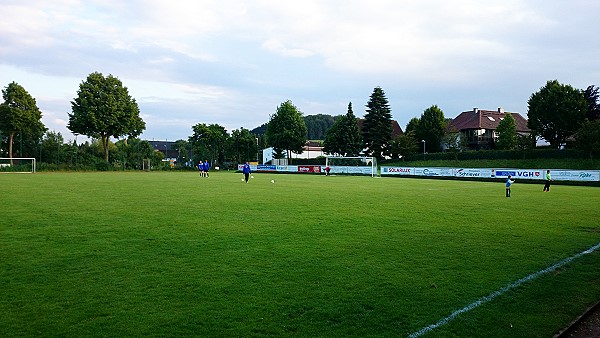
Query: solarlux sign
column 397, row 171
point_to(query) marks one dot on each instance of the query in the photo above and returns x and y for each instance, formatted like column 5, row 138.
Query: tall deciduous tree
column 556, row 112
column 286, row 130
column 208, row 142
column 507, row 133
column 431, row 128
column 19, row 113
column 377, row 125
column 104, row 108
column 344, row 137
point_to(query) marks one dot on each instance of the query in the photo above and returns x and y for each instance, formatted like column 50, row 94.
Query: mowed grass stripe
column 175, row 254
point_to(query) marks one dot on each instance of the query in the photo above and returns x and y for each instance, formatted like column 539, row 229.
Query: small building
column 477, row 127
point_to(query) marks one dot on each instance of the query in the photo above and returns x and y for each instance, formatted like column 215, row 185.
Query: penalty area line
column 497, row 293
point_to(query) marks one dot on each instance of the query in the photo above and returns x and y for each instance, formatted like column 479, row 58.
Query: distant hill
column 316, row 125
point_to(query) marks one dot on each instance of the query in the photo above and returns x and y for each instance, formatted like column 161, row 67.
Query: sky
column 233, row 62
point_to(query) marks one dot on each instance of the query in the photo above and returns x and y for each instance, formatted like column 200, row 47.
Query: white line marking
column 495, row 294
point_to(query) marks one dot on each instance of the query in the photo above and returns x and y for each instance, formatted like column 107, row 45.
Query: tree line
column 103, row 109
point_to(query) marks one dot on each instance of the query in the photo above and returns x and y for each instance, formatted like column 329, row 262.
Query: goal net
column 17, row 165
column 358, row 165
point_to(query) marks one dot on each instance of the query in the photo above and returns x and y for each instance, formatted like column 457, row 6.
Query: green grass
column 172, row 254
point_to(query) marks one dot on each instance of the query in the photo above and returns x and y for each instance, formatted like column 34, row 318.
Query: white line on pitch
column 495, row 294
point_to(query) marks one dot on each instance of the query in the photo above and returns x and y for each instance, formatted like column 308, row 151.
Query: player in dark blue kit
column 201, row 168
column 206, row 168
column 246, row 170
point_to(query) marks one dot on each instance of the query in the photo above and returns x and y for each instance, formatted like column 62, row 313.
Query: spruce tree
column 377, row 126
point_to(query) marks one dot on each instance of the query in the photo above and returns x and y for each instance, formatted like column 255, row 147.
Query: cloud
column 233, row 62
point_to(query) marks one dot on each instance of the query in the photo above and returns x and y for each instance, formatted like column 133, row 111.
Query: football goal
column 358, row 165
column 17, row 165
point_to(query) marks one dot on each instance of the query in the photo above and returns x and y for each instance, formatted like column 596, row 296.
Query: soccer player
column 201, row 168
column 508, row 184
column 206, row 168
column 246, row 170
column 548, row 180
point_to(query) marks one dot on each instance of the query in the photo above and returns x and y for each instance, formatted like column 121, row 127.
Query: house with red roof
column 477, row 127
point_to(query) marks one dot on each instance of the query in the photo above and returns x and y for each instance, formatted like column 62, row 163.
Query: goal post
column 352, row 165
column 17, row 165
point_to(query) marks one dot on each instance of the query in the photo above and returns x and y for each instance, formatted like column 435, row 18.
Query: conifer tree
column 377, row 126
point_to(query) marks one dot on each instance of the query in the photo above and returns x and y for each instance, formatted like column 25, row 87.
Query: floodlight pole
column 257, row 151
column 423, row 149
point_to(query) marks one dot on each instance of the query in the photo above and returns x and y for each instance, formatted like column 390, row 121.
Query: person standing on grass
column 246, row 170
column 201, row 168
column 548, row 180
column 508, row 184
column 206, row 168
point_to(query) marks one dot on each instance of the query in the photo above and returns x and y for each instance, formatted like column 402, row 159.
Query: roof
column 486, row 119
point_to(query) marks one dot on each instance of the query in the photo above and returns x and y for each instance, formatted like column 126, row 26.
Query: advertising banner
column 266, row 167
column 527, row 174
column 309, row 168
column 397, row 171
column 574, row 175
column 241, row 167
column 473, row 172
column 350, row 170
column 444, row 172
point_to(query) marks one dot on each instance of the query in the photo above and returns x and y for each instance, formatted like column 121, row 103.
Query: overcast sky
column 233, row 62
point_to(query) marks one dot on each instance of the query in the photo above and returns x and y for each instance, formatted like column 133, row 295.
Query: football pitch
column 173, row 254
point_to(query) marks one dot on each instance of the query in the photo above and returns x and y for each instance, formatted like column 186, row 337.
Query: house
column 477, row 127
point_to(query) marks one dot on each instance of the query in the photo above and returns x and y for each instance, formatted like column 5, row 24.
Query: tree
column 133, row 151
column 51, row 145
column 318, row 125
column 556, row 112
column 404, row 145
column 344, row 137
column 588, row 137
column 243, row 146
column 104, row 108
column 19, row 113
column 453, row 142
column 377, row 126
column 431, row 128
column 412, row 125
column 286, row 130
column 208, row 142
column 183, row 150
column 591, row 97
column 507, row 133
